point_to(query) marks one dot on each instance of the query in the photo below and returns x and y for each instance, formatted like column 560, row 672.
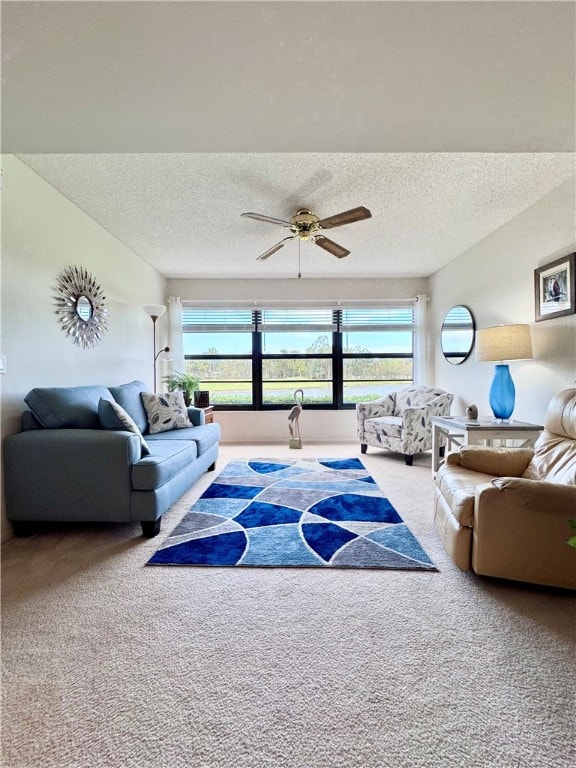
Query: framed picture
column 554, row 288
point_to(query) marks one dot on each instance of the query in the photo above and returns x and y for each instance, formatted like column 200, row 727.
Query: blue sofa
column 65, row 466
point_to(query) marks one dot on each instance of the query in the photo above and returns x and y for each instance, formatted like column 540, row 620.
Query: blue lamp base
column 502, row 393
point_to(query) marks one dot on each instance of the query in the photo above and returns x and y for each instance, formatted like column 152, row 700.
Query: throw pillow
column 113, row 416
column 165, row 411
column 128, row 396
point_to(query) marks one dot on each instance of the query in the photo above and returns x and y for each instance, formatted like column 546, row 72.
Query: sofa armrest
column 521, row 531
column 196, row 416
column 415, row 416
column 419, row 415
column 440, row 406
column 537, row 495
column 69, row 474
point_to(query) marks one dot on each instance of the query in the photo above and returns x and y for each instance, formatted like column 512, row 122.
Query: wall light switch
column 2, row 364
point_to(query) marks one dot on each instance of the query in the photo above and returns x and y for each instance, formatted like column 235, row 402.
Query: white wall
column 495, row 280
column 294, row 289
column 271, row 426
column 42, row 233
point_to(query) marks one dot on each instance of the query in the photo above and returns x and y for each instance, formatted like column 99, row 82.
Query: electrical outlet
column 2, row 364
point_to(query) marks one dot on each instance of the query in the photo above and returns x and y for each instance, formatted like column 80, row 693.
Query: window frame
column 337, row 357
column 262, row 328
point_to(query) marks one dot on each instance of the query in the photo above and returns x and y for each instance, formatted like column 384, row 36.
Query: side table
column 459, row 431
column 208, row 414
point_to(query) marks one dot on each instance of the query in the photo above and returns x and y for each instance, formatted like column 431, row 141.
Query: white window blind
column 213, row 320
column 380, row 318
column 297, row 320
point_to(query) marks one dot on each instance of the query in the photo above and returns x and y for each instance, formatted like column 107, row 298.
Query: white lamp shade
column 168, row 357
column 154, row 310
column 503, row 342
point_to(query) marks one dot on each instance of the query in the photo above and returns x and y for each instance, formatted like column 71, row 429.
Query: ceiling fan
column 305, row 225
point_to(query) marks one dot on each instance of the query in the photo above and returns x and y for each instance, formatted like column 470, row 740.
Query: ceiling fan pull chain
column 299, row 246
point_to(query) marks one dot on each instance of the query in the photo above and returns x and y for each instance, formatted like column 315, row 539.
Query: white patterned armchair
column 400, row 421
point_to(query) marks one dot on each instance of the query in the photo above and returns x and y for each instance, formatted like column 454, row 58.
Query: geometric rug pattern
column 286, row 513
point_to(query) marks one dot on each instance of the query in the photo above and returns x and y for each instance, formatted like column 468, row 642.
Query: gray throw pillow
column 166, row 411
column 113, row 416
column 128, row 396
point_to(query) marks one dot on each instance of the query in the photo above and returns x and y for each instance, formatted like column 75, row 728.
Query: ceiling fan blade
column 261, row 217
column 331, row 247
column 274, row 248
column 347, row 217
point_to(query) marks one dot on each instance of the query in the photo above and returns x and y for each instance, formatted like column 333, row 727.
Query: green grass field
column 240, row 393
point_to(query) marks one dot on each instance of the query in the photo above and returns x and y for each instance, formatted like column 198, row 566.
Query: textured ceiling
column 164, row 121
column 181, row 212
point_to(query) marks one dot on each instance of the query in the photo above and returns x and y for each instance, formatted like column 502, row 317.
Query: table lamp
column 497, row 344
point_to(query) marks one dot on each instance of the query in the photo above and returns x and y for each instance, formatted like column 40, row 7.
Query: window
column 257, row 358
column 218, row 349
column 377, row 351
column 297, row 353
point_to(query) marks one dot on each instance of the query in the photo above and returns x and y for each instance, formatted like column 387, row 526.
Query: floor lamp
column 497, row 344
column 154, row 311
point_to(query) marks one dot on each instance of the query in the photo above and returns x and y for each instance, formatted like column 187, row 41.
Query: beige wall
column 495, row 279
column 42, row 233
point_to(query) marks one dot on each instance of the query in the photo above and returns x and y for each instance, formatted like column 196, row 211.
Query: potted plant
column 182, row 381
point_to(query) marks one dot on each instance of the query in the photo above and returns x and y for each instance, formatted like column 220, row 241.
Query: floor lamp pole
column 154, row 318
column 154, row 311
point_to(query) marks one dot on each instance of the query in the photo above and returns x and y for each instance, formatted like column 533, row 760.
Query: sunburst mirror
column 80, row 306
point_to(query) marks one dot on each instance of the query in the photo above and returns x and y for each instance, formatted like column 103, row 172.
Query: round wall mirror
column 457, row 335
column 80, row 306
column 84, row 308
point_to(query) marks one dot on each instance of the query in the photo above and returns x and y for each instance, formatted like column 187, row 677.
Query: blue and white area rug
column 311, row 512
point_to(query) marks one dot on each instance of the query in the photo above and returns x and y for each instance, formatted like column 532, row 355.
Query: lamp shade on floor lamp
column 497, row 344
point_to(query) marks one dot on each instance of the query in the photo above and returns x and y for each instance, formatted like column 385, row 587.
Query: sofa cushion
column 67, row 407
column 204, row 436
column 458, row 487
column 167, row 458
column 29, row 421
column 166, row 411
column 128, row 396
column 561, row 414
column 113, row 416
column 554, row 460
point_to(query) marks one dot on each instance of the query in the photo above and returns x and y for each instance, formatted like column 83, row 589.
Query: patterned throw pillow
column 166, row 411
column 113, row 416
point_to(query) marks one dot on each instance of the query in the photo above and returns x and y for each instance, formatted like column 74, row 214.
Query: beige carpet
column 107, row 662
